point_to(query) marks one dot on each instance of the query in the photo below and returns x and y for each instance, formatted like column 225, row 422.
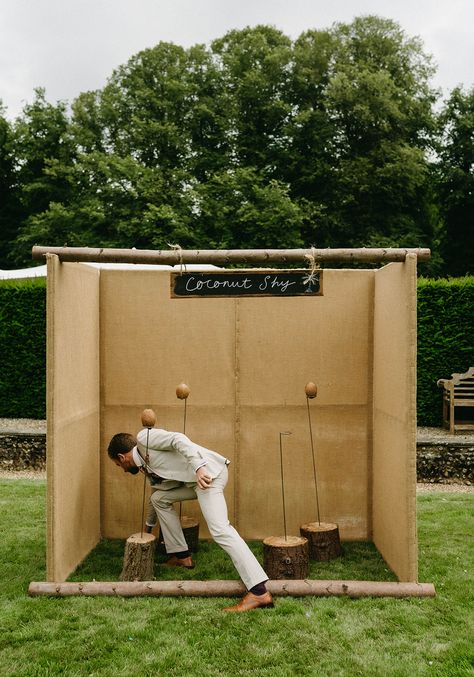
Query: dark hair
column 120, row 444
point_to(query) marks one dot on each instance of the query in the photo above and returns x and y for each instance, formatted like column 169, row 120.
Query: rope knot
column 179, row 249
column 314, row 265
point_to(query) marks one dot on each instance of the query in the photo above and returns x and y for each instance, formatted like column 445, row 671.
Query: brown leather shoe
column 185, row 562
column 251, row 601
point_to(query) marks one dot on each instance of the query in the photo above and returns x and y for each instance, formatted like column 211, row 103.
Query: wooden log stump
column 323, row 540
column 139, row 558
column 190, row 527
column 286, row 558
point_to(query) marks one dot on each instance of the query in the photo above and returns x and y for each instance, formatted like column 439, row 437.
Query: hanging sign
column 231, row 283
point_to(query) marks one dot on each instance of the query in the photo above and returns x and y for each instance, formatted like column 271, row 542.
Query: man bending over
column 180, row 470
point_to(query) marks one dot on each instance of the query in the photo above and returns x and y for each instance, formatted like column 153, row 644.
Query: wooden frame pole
column 286, row 588
column 227, row 256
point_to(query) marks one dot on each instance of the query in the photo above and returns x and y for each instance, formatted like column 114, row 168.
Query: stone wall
column 445, row 458
column 445, row 463
column 22, row 451
column 441, row 458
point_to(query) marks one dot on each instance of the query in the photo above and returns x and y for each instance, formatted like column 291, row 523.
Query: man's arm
column 163, row 440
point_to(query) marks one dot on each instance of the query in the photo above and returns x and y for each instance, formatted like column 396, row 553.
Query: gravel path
column 23, row 474
column 449, row 488
column 22, row 425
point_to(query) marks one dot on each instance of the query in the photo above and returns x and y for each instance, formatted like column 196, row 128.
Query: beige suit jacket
column 174, row 456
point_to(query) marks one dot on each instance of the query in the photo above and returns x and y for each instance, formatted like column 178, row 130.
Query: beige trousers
column 214, row 509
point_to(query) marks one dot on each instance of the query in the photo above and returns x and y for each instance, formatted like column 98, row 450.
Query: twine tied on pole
column 178, row 248
column 314, row 266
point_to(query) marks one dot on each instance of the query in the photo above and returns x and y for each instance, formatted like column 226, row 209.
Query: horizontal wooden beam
column 227, row 256
column 293, row 588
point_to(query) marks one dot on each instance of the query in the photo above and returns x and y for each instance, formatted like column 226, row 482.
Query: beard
column 134, row 471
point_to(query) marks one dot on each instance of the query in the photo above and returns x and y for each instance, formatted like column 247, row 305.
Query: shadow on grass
column 360, row 561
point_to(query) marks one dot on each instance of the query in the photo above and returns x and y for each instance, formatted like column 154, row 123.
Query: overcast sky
column 70, row 46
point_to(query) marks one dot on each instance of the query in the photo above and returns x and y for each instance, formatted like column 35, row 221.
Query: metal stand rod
column 283, row 484
column 144, row 484
column 182, row 393
column 314, row 461
column 184, row 433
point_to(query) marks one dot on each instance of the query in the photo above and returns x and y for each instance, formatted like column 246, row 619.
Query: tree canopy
column 256, row 140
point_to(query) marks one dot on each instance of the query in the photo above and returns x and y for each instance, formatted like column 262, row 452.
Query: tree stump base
column 323, row 540
column 286, row 558
column 190, row 528
column 139, row 558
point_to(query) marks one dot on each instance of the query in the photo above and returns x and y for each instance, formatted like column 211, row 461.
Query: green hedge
column 445, row 339
column 445, row 343
column 23, row 348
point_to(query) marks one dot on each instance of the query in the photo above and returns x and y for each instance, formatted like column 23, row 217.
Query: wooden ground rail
column 458, row 400
column 221, row 588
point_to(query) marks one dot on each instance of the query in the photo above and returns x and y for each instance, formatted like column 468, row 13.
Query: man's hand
column 204, row 480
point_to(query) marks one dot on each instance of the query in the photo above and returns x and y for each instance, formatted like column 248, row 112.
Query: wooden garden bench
column 458, row 401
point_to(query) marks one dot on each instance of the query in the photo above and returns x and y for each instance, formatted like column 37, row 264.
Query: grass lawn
column 192, row 636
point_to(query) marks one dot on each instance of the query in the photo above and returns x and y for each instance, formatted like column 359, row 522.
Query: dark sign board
column 247, row 283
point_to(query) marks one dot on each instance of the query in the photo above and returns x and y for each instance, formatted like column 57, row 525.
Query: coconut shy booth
column 246, row 341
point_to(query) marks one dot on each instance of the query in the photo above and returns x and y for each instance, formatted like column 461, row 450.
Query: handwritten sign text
column 247, row 283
